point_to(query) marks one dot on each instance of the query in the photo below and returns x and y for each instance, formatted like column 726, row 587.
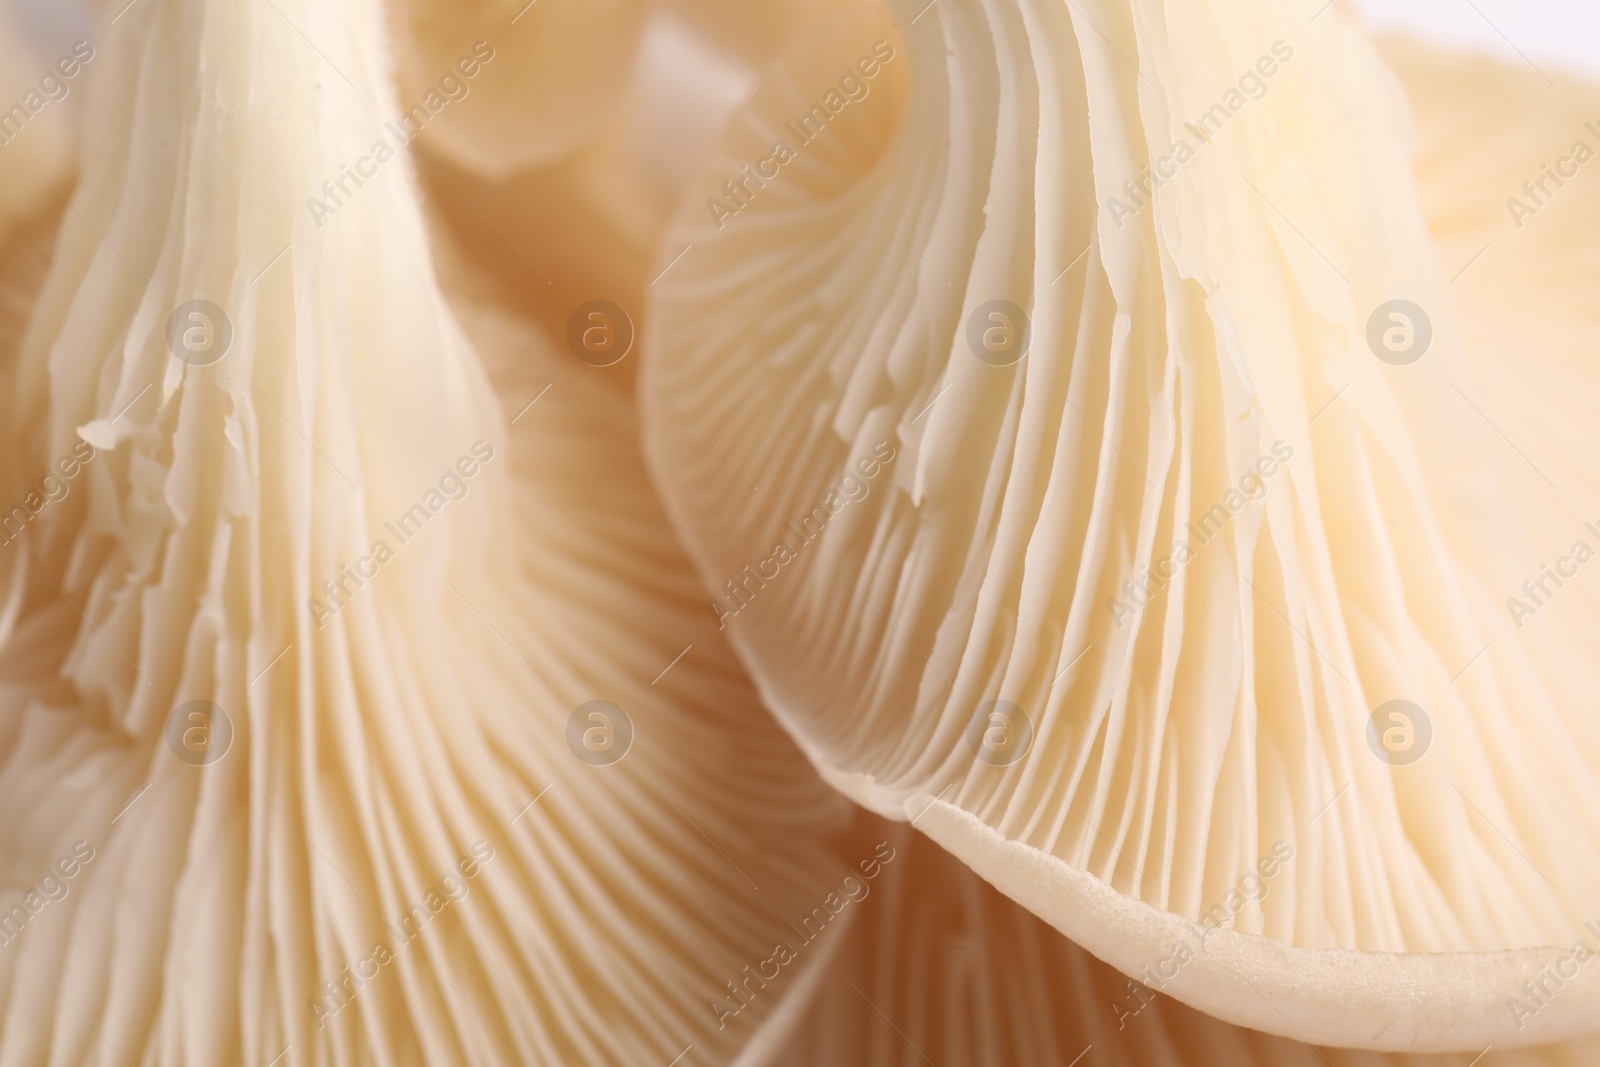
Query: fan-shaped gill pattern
column 938, row 967
column 1199, row 532
column 401, row 771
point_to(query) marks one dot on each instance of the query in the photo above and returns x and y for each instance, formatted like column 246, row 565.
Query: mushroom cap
column 934, row 965
column 395, row 578
column 35, row 129
column 1074, row 449
column 504, row 85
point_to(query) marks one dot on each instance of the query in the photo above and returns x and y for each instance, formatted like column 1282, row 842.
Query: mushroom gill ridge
column 1071, row 441
column 334, row 711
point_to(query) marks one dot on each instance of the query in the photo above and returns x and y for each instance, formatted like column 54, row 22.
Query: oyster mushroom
column 36, row 110
column 940, row 967
column 524, row 82
column 302, row 762
column 1075, row 454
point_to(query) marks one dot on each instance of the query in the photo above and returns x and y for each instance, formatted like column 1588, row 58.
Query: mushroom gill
column 356, row 705
column 940, row 967
column 1064, row 406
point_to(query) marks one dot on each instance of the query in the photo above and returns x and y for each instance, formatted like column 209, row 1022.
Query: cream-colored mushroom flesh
column 938, row 967
column 357, row 704
column 498, row 86
column 1080, row 437
column 35, row 131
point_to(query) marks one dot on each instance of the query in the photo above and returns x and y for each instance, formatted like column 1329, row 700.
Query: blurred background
column 1563, row 33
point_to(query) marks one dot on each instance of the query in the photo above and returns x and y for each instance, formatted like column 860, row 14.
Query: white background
column 1553, row 34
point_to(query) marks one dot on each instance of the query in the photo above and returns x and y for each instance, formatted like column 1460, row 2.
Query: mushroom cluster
column 973, row 532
